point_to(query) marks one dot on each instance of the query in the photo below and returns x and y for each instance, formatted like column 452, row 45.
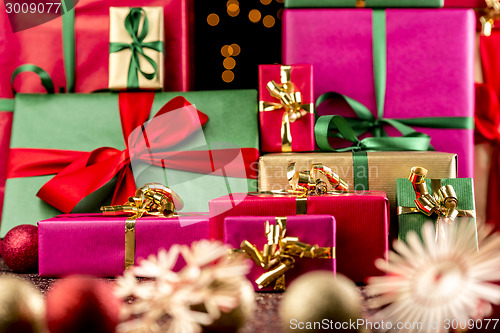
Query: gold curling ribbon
column 360, row 3
column 304, row 184
column 443, row 202
column 152, row 199
column 279, row 253
column 291, row 101
column 490, row 15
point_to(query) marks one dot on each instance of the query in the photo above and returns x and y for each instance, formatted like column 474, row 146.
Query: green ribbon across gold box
column 442, row 201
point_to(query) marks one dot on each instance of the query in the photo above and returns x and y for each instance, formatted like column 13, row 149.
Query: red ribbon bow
column 79, row 174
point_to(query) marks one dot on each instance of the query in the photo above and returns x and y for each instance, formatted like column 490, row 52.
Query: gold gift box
column 119, row 62
column 383, row 168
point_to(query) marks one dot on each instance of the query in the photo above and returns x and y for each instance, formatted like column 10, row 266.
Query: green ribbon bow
column 132, row 24
column 351, row 128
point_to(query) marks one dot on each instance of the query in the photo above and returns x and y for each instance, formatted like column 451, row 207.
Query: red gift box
column 272, row 121
column 362, row 222
column 465, row 3
column 253, row 228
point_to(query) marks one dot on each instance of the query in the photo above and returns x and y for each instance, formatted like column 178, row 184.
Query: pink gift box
column 429, row 69
column 95, row 245
column 310, row 229
column 362, row 223
column 302, row 130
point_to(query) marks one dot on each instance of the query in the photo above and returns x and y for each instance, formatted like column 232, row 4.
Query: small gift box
column 137, row 44
column 372, row 82
column 363, row 3
column 295, row 240
column 439, row 200
column 362, row 222
column 286, row 109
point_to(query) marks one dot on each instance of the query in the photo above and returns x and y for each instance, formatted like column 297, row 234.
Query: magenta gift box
column 430, row 59
column 95, row 245
column 305, row 227
column 301, row 130
column 362, row 223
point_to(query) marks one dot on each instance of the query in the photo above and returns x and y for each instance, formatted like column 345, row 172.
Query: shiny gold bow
column 313, row 182
column 443, row 202
column 277, row 256
column 152, row 199
column 291, row 101
column 490, row 15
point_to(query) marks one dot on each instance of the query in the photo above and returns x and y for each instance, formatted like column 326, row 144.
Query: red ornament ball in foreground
column 20, row 248
column 82, row 304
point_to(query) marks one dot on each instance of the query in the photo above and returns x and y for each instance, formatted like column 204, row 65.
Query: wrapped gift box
column 145, row 67
column 95, row 245
column 463, row 187
column 362, row 222
column 363, row 3
column 74, row 124
column 417, row 41
column 383, row 168
column 252, row 229
column 465, row 3
column 272, row 120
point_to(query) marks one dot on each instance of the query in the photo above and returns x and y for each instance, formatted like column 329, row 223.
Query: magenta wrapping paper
column 362, row 223
column 306, row 227
column 430, row 55
column 93, row 244
column 302, row 130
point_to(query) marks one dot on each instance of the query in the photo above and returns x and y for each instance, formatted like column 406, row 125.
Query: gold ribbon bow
column 313, row 182
column 491, row 14
column 277, row 256
column 443, row 202
column 291, row 101
column 152, row 199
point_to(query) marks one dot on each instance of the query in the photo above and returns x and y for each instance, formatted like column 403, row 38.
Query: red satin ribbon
column 79, row 174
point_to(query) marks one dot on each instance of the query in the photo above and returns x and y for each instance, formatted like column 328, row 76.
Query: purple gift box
column 429, row 60
column 311, row 229
column 95, row 245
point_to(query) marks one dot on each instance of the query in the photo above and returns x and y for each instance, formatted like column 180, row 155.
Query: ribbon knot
column 132, row 24
column 277, row 256
column 316, row 181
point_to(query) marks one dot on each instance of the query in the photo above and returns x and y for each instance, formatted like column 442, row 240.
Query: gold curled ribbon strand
column 152, row 199
column 360, row 3
column 313, row 182
column 443, row 202
column 279, row 253
column 289, row 99
column 490, row 15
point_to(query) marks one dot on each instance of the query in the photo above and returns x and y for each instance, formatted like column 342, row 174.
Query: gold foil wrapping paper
column 119, row 61
column 383, row 168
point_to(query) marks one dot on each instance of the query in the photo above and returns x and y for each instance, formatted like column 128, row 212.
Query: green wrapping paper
column 464, row 188
column 363, row 3
column 85, row 122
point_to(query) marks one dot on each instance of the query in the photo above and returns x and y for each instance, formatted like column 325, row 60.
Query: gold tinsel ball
column 320, row 297
column 22, row 307
column 233, row 320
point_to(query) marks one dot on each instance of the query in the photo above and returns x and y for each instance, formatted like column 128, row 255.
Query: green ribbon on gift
column 351, row 128
column 132, row 24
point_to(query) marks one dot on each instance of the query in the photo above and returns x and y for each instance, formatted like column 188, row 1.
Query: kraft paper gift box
column 253, row 230
column 55, row 133
column 291, row 95
column 362, row 3
column 464, row 189
column 94, row 244
column 137, row 44
column 380, row 171
column 409, row 69
column 362, row 223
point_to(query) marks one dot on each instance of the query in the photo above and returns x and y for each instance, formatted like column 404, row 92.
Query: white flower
column 181, row 302
column 437, row 281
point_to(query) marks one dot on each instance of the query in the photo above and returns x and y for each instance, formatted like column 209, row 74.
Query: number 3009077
column 39, row 8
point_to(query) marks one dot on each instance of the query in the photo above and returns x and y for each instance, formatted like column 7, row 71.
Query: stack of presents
column 331, row 155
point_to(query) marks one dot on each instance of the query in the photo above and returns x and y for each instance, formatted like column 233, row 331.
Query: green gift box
column 405, row 196
column 85, row 122
column 364, row 3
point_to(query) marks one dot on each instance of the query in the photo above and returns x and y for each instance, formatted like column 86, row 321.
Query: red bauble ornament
column 82, row 304
column 20, row 248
